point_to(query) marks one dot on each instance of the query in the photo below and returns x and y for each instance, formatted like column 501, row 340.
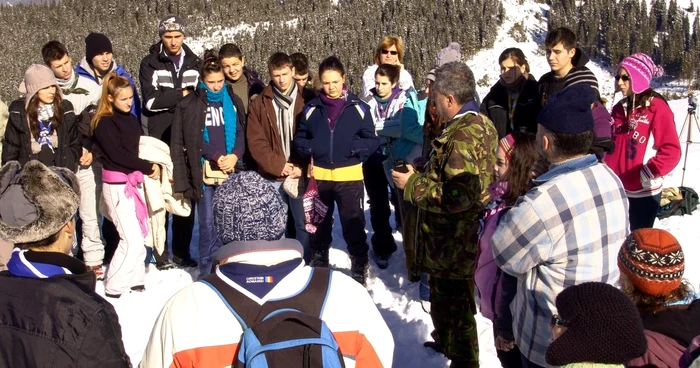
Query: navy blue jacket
column 351, row 141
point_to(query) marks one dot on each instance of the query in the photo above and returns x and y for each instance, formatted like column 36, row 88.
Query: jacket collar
column 352, row 100
column 160, row 53
column 30, row 264
column 566, row 168
column 251, row 251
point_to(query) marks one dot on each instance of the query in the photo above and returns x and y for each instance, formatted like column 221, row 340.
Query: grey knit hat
column 35, row 201
column 247, row 207
column 37, row 77
column 448, row 54
column 171, row 23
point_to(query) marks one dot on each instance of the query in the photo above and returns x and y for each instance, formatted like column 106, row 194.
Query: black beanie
column 569, row 111
column 604, row 326
column 95, row 44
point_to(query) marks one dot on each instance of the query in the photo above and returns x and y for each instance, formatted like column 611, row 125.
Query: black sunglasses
column 556, row 321
column 624, row 78
column 390, row 52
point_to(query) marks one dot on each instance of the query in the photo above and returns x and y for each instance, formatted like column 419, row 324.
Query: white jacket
column 196, row 329
column 159, row 193
column 405, row 80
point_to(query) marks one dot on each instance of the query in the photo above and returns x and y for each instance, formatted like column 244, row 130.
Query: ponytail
column 111, row 86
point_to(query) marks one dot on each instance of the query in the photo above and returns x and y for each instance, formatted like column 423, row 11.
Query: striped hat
column 507, row 143
column 653, row 261
column 641, row 69
column 581, row 75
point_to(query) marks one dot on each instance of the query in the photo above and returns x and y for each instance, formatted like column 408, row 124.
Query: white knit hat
column 36, row 78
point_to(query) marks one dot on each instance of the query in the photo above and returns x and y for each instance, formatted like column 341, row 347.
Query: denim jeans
column 424, row 287
column 209, row 243
column 297, row 208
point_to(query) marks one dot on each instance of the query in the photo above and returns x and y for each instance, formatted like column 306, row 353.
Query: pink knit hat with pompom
column 641, row 69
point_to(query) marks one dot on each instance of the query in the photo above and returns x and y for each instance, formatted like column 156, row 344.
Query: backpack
column 283, row 333
column 680, row 207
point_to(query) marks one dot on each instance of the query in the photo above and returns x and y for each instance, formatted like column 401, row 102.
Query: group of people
column 535, row 199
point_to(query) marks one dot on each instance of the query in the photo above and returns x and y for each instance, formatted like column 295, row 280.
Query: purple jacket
column 662, row 352
column 487, row 273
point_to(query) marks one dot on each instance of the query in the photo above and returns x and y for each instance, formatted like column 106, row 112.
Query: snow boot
column 319, row 258
column 382, row 261
column 359, row 269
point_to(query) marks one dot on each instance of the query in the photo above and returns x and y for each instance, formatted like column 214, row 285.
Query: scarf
column 384, row 105
column 69, row 86
column 285, row 115
column 19, row 265
column 131, row 183
column 334, row 106
column 230, row 115
column 47, row 135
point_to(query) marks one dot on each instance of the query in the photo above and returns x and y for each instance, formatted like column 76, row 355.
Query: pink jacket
column 486, row 275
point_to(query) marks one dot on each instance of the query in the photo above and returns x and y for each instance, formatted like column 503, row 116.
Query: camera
column 692, row 103
column 400, row 166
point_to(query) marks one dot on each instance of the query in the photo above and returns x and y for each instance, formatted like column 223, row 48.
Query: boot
column 359, row 269
column 319, row 258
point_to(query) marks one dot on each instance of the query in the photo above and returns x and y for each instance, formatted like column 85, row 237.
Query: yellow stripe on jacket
column 348, row 173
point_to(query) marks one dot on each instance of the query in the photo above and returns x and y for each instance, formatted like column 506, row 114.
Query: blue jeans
column 297, row 208
column 209, row 243
column 424, row 287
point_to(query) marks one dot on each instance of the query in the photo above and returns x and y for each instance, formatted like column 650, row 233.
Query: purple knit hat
column 641, row 69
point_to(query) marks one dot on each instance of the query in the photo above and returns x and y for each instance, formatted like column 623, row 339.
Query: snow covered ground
column 396, row 298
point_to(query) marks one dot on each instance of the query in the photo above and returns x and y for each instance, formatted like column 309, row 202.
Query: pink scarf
column 131, row 182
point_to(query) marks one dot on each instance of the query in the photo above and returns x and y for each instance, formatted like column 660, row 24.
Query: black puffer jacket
column 495, row 106
column 186, row 145
column 58, row 321
column 17, row 143
column 161, row 87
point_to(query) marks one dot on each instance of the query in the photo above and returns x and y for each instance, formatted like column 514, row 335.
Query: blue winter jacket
column 349, row 143
column 409, row 132
column 86, row 71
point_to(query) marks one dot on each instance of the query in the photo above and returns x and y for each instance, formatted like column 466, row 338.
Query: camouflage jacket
column 448, row 196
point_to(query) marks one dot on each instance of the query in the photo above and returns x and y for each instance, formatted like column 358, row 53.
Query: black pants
column 643, row 211
column 111, row 235
column 511, row 358
column 379, row 211
column 527, row 363
column 182, row 236
column 350, row 199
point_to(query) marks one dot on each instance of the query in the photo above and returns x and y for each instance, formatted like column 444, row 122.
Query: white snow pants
column 90, row 180
column 127, row 268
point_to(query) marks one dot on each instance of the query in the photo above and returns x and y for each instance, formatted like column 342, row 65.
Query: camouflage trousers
column 452, row 309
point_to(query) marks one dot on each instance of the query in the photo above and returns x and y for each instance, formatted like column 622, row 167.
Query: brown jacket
column 264, row 142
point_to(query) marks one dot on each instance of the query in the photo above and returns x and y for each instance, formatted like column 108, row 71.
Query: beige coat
column 159, row 192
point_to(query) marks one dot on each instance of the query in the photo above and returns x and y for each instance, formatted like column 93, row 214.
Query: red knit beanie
column 653, row 261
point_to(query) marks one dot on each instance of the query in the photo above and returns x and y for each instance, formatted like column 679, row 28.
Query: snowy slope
column 396, row 298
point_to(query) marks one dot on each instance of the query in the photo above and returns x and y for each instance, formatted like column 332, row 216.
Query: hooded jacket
column 57, row 321
column 349, row 313
column 549, row 84
column 17, row 141
column 161, row 87
column 86, row 71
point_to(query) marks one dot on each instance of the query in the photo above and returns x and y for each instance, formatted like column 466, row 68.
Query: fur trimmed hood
column 35, row 201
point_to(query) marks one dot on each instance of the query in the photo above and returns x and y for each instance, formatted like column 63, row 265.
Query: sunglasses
column 390, row 52
column 624, row 78
column 557, row 321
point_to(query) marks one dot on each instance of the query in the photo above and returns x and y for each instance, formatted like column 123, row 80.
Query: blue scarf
column 230, row 115
column 20, row 266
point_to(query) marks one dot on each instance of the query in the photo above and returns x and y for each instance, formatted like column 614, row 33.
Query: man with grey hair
column 449, row 195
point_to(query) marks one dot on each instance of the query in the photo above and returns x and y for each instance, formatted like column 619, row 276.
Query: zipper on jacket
column 333, row 129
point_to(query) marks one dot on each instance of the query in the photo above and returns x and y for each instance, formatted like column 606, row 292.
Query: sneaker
column 382, row 262
column 185, row 262
column 115, row 296
column 426, row 306
column 435, row 346
column 138, row 288
column 359, row 269
column 164, row 265
column 319, row 258
column 99, row 271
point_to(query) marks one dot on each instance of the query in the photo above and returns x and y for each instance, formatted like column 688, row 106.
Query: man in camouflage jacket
column 449, row 195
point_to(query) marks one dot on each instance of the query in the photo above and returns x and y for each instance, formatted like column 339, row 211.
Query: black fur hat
column 35, row 201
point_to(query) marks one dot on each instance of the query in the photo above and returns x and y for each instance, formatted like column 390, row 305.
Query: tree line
column 349, row 29
column 609, row 30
